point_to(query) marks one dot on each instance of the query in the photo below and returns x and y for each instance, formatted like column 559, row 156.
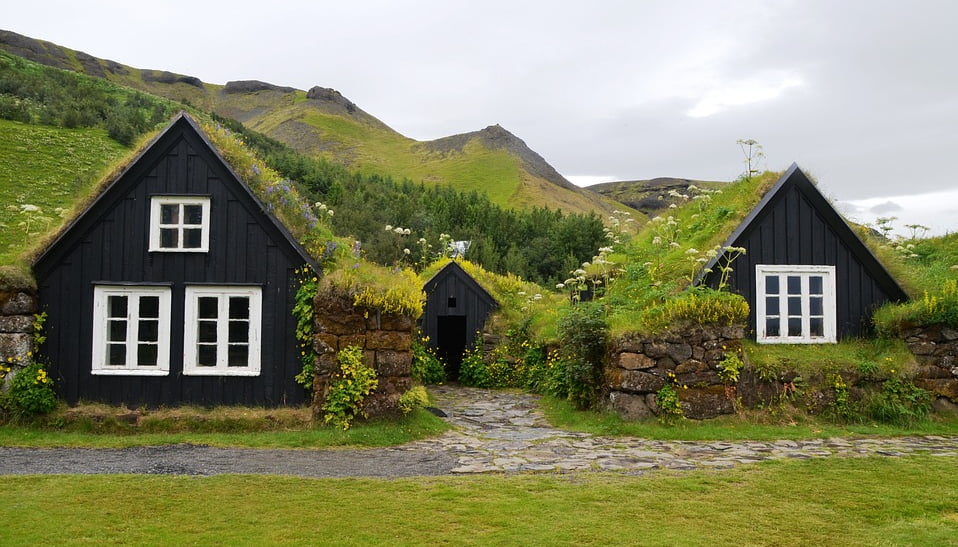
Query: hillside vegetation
column 64, row 130
column 321, row 123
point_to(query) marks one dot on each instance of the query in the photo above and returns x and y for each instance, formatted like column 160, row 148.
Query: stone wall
column 639, row 367
column 386, row 341
column 16, row 326
column 936, row 350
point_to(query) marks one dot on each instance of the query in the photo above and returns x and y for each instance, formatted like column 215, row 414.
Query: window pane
column 146, row 355
column 117, row 354
column 771, row 284
column 206, row 355
column 795, row 305
column 817, row 326
column 238, row 355
column 149, row 330
column 150, row 307
column 117, row 306
column 192, row 239
column 794, row 284
column 772, row 327
column 193, row 214
column 239, row 307
column 815, row 306
column 771, row 305
column 815, row 284
column 169, row 214
column 794, row 326
column 207, row 332
column 169, row 238
column 239, row 331
column 117, row 331
column 208, row 307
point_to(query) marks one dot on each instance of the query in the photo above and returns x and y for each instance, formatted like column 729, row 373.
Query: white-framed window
column 795, row 304
column 222, row 331
column 131, row 330
column 180, row 224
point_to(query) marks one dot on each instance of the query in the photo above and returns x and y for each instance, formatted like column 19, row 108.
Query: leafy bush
column 582, row 342
column 415, row 397
column 31, row 392
column 941, row 308
column 667, row 399
column 472, row 370
column 535, row 368
column 701, row 306
column 899, row 402
column 303, row 313
column 350, row 387
column 427, row 369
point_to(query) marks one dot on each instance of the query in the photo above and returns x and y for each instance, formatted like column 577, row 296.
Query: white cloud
column 725, row 96
column 936, row 210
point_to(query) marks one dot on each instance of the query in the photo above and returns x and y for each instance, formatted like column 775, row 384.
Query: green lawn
column 764, row 425
column 911, row 501
column 265, row 429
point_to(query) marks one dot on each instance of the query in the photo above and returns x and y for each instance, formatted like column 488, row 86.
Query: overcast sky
column 863, row 95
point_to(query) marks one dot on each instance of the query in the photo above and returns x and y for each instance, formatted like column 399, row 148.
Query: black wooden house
column 807, row 276
column 174, row 286
column 456, row 310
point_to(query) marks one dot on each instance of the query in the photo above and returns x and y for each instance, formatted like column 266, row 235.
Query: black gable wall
column 798, row 226
column 108, row 244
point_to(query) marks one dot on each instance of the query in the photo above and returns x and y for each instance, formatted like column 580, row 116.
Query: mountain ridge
column 322, row 122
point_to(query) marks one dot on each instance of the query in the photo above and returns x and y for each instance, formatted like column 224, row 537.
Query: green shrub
column 473, row 371
column 504, row 373
column 941, row 308
column 730, row 369
column 415, row 397
column 535, row 368
column 349, row 389
column 667, row 399
column 582, row 341
column 899, row 402
column 700, row 306
column 31, row 392
column 427, row 369
column 303, row 313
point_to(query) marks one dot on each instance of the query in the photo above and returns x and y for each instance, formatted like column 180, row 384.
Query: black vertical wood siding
column 797, row 226
column 109, row 244
column 472, row 301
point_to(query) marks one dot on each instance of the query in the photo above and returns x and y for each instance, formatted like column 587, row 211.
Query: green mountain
column 322, row 123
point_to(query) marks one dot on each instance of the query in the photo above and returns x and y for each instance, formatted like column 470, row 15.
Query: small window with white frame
column 795, row 304
column 222, row 332
column 180, row 224
column 131, row 330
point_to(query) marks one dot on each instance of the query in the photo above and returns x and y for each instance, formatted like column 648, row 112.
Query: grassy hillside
column 47, row 168
column 322, row 123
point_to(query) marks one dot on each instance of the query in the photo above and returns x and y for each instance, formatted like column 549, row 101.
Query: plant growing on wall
column 303, row 313
column 349, row 388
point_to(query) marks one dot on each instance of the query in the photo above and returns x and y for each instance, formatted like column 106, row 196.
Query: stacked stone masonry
column 386, row 341
column 936, row 350
column 16, row 326
column 689, row 359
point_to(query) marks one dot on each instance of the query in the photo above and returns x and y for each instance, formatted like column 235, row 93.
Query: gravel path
column 496, row 431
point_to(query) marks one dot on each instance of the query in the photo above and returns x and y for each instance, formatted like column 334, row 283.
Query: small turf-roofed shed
column 456, row 310
column 174, row 286
column 807, row 276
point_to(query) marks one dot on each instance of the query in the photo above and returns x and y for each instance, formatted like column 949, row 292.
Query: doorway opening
column 451, row 341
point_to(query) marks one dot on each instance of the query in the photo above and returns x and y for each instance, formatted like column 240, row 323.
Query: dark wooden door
column 451, row 342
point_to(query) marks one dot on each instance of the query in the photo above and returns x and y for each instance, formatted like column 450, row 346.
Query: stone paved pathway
column 499, row 431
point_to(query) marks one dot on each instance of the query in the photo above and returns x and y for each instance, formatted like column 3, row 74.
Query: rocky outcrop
column 252, row 86
column 164, row 77
column 329, row 95
column 936, row 349
column 386, row 341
